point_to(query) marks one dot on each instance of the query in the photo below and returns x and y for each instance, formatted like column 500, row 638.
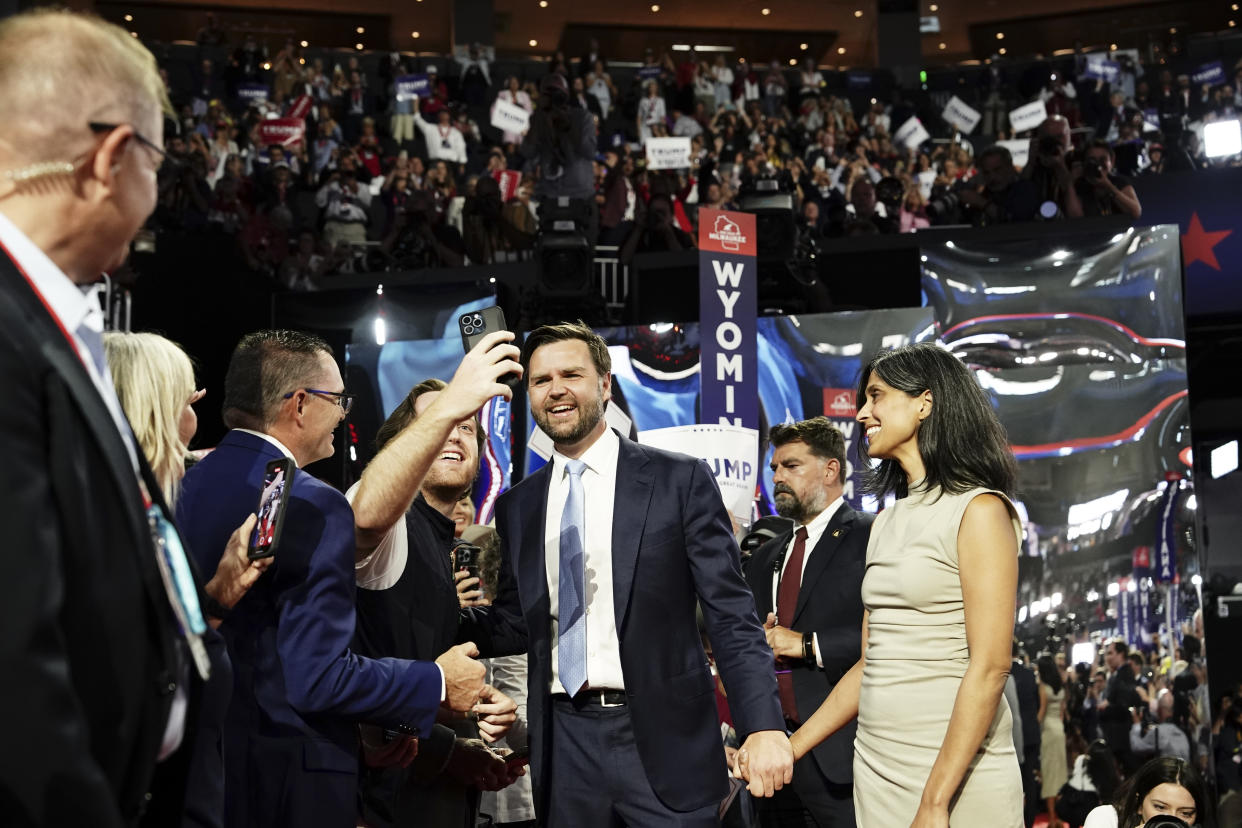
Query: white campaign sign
column 911, row 133
column 961, row 115
column 1028, row 116
column 927, row 180
column 668, row 153
column 509, row 117
column 1020, row 150
column 732, row 455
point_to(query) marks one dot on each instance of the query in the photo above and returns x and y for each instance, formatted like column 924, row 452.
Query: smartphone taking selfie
column 477, row 324
column 273, row 497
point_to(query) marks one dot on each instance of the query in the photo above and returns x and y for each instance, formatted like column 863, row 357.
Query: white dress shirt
column 814, row 531
column 599, row 487
column 73, row 307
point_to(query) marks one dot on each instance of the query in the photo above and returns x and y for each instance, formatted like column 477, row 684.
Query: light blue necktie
column 571, row 615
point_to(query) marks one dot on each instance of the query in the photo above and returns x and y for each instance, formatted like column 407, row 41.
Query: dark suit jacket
column 87, row 637
column 1115, row 720
column 671, row 542
column 830, row 605
column 290, row 738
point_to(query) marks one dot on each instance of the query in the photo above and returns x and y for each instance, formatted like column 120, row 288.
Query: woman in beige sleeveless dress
column 934, row 745
column 1053, row 765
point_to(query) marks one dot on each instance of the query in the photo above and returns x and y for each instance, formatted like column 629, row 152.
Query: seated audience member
column 290, row 636
column 427, row 457
column 1101, row 191
column 1163, row 786
column 155, row 383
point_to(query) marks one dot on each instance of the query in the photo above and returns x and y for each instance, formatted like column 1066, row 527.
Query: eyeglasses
column 345, row 401
column 99, row 126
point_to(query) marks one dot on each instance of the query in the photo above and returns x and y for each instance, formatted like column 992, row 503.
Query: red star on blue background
column 1198, row 244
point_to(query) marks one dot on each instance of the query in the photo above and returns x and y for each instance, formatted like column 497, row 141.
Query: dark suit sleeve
column 741, row 651
column 47, row 775
column 500, row 629
column 316, row 626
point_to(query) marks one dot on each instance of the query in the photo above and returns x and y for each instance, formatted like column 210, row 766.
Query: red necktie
column 786, row 604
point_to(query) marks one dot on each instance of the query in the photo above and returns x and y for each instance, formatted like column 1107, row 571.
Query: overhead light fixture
column 415, row 35
column 1114, row 589
column 765, row 12
column 803, row 46
column 1196, row 579
column 840, row 50
column 358, row 46
column 1000, row 35
column 534, row 42
column 305, row 44
column 543, row 4
column 858, row 12
column 934, row 7
column 267, row 67
column 793, row 61
column 943, row 46
column 1001, row 50
column 129, row 18
column 655, row 8
column 135, row 34
column 360, row 30
column 1112, row 47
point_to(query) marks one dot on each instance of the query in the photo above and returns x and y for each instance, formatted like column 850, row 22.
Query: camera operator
column 1161, row 738
column 561, row 141
column 996, row 195
column 1049, row 170
column 1100, row 191
column 655, row 232
column 417, row 241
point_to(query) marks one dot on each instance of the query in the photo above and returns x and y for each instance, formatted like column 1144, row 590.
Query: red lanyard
column 73, row 343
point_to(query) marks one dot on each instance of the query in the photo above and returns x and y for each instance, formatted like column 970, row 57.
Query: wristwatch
column 808, row 647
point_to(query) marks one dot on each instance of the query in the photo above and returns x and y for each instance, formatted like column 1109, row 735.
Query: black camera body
column 1093, row 169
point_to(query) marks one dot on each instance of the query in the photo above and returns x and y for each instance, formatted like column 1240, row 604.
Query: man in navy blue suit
column 605, row 552
column 807, row 584
column 291, row 736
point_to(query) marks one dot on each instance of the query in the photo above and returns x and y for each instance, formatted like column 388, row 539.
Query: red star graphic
column 1197, row 244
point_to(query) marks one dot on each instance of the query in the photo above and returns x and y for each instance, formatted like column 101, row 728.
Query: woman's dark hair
column 1102, row 770
column 962, row 444
column 1048, row 673
column 1162, row 769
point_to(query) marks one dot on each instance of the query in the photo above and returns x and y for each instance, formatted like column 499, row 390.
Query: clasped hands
column 765, row 762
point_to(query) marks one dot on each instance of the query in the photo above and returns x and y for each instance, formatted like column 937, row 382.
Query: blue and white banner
column 1212, row 73
column 1125, row 620
column 1142, row 616
column 253, row 92
column 412, row 86
column 649, row 72
column 1166, row 534
column 1102, row 69
column 728, row 305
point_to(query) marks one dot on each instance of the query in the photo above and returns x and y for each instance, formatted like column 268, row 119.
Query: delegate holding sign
column 668, row 153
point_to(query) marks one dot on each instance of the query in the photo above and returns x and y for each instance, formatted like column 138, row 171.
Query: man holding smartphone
column 428, row 457
column 290, row 736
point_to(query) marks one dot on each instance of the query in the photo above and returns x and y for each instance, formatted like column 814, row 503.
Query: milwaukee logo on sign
column 840, row 403
column 727, row 232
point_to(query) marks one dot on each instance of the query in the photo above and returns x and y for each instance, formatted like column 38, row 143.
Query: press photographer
column 996, row 194
column 1049, row 170
column 1100, row 191
column 561, row 141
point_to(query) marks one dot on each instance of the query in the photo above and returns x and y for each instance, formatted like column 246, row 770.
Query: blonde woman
column 155, row 384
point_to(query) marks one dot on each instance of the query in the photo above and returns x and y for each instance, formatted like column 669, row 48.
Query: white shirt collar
column 820, row 522
column 600, row 458
column 279, row 445
column 68, row 302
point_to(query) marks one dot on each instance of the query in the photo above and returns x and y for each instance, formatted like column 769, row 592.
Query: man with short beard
column 605, row 553
column 808, row 586
column 427, row 459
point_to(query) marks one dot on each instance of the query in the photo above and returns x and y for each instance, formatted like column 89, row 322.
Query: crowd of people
column 334, row 676
column 1085, row 729
column 388, row 179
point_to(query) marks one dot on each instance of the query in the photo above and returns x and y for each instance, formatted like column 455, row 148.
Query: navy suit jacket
column 672, row 549
column 87, row 637
column 290, row 738
column 829, row 605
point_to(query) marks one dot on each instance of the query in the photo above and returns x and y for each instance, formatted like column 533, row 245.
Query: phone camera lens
column 465, row 320
column 469, row 329
column 478, row 321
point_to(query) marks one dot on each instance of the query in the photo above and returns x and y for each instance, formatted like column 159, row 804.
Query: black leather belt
column 594, row 697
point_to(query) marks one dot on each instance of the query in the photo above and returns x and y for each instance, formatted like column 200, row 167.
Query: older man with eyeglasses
column 102, row 631
column 290, row 738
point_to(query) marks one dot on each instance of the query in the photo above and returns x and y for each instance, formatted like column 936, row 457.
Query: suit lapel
column 771, row 577
column 822, row 555
column 629, row 516
column 531, row 570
